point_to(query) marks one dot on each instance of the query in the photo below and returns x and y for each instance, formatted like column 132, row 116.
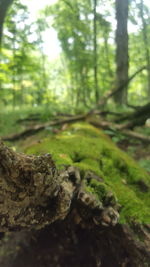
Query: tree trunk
column 95, row 52
column 146, row 44
column 122, row 60
column 4, row 5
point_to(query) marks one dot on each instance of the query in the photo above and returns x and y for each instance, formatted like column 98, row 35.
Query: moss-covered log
column 90, row 150
column 34, row 193
column 91, row 186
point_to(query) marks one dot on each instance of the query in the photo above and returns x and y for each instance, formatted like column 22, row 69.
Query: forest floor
column 138, row 150
column 16, row 121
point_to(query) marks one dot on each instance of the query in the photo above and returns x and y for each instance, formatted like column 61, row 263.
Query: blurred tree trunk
column 107, row 52
column 14, row 67
column 122, row 61
column 146, row 43
column 4, row 5
column 95, row 52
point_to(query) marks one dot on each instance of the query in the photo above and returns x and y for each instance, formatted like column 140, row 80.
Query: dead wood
column 136, row 118
column 39, row 127
column 96, row 122
column 119, row 127
column 115, row 90
column 68, row 244
column 28, row 119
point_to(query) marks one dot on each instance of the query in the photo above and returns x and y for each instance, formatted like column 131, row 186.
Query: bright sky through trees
column 51, row 43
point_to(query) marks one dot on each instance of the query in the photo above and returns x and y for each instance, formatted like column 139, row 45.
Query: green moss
column 86, row 147
column 97, row 188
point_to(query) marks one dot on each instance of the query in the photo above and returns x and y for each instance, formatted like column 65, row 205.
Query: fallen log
column 136, row 118
column 39, row 127
column 85, row 117
column 88, row 188
column 121, row 128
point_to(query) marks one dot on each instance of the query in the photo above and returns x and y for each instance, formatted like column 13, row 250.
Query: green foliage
column 145, row 163
column 23, row 73
column 116, row 136
column 27, row 76
column 74, row 24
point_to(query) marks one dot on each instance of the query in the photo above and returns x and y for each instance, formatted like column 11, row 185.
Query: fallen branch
column 109, row 125
column 136, row 118
column 102, row 124
column 115, row 90
column 39, row 127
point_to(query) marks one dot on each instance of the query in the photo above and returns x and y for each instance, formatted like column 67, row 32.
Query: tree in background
column 4, row 5
column 73, row 26
column 41, row 26
column 84, row 36
column 23, row 72
column 95, row 54
column 145, row 17
column 16, row 42
column 122, row 60
column 86, row 33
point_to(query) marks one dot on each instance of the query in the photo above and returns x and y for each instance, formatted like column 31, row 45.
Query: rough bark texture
column 122, row 49
column 32, row 193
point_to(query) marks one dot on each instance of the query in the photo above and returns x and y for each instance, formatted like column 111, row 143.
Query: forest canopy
column 103, row 44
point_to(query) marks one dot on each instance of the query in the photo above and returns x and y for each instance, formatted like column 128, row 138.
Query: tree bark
column 32, row 192
column 122, row 60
